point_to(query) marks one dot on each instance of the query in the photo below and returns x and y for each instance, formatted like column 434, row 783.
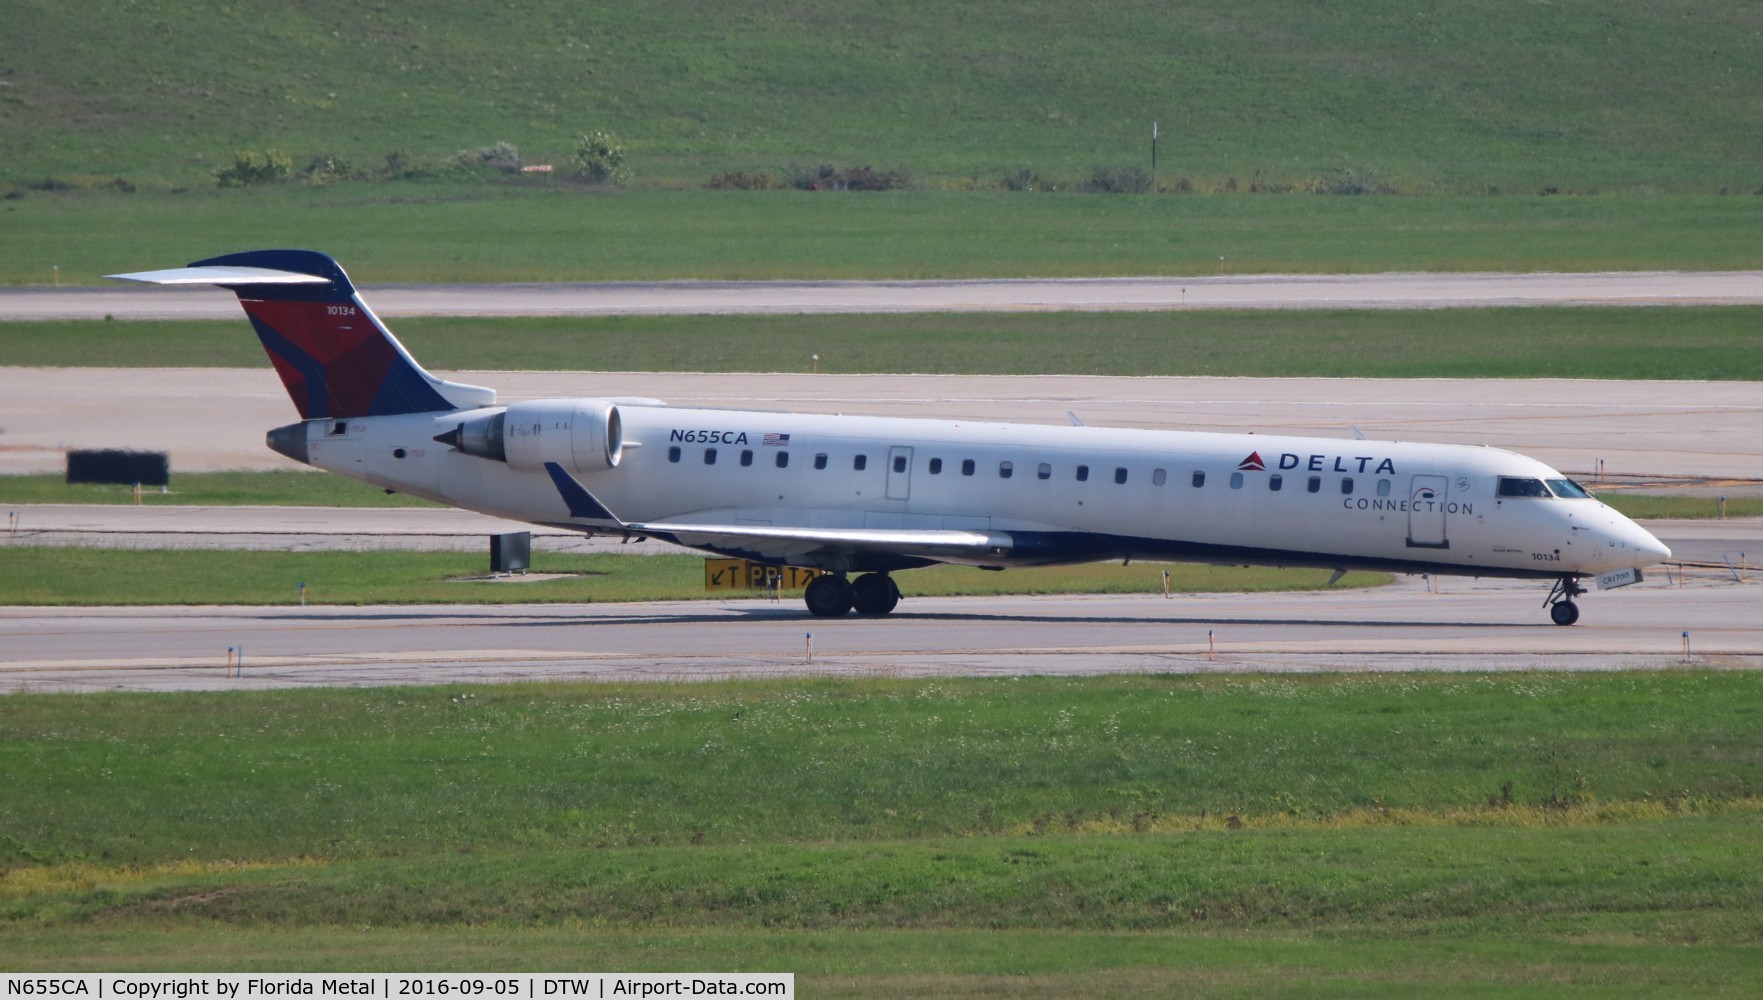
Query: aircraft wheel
column 1564, row 612
column 874, row 594
column 828, row 596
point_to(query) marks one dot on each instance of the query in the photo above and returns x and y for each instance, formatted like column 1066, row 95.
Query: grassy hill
column 1574, row 95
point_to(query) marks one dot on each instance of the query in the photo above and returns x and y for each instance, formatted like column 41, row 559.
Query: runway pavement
column 1469, row 626
column 215, row 419
column 294, row 529
column 211, row 418
column 316, row 529
column 1304, row 291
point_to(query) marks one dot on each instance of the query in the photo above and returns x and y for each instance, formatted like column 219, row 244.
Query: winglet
column 581, row 503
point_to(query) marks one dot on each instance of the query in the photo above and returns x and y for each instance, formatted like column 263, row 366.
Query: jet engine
column 581, row 435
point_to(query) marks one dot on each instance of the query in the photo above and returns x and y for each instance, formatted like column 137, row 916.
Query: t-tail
column 334, row 355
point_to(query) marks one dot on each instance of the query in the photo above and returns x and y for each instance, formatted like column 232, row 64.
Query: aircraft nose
column 1651, row 548
column 1644, row 547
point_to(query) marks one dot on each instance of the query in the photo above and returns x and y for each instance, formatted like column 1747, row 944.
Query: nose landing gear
column 1564, row 611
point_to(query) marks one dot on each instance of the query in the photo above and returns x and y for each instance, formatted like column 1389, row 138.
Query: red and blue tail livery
column 333, row 354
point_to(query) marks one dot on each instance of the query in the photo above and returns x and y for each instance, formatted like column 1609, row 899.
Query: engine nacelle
column 582, row 435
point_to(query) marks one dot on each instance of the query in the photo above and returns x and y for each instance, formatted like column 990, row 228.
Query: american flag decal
column 776, row 440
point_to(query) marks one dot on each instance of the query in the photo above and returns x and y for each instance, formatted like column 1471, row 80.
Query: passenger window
column 746, row 457
column 1044, row 471
column 967, row 466
column 899, row 463
column 860, row 462
column 1236, row 480
column 709, row 456
column 1159, row 477
column 1383, row 487
column 1314, row 485
column 783, row 459
column 1083, row 473
column 673, row 454
column 1199, row 479
column 936, row 466
column 820, row 460
column 1513, row 486
column 1275, row 481
column 1346, row 486
column 1120, row 475
column 1005, row 469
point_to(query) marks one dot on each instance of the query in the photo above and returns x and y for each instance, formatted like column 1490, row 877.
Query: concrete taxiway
column 349, row 529
column 1469, row 626
column 1300, row 291
column 213, row 418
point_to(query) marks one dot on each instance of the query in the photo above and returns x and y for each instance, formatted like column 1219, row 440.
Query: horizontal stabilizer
column 224, row 276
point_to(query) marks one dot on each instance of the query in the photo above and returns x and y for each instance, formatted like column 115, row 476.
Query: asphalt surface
column 215, row 418
column 317, row 529
column 1468, row 626
column 1359, row 291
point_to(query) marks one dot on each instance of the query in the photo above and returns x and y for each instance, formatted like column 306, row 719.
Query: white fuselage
column 1065, row 494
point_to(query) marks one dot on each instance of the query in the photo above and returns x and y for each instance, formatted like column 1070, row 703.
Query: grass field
column 1574, row 94
column 309, row 489
column 275, row 488
column 1476, row 835
column 31, row 575
column 1585, row 342
column 436, row 233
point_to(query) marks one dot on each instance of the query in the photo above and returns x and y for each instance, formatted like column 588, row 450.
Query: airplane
column 863, row 497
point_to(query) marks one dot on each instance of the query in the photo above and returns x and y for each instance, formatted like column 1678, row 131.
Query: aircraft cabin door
column 899, row 472
column 1426, row 513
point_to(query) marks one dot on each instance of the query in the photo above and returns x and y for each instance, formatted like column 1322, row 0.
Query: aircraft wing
column 812, row 546
column 796, row 545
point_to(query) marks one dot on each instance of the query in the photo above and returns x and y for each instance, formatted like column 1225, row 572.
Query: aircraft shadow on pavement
column 455, row 615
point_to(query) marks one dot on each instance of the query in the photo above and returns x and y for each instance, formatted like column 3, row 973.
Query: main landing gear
column 1564, row 611
column 831, row 596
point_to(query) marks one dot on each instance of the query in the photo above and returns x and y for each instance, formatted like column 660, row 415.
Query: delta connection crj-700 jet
column 862, row 497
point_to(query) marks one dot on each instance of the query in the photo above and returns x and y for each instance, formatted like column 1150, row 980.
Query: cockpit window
column 1513, row 486
column 1567, row 489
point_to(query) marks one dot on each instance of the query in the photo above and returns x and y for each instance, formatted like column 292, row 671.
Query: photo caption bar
column 397, row 985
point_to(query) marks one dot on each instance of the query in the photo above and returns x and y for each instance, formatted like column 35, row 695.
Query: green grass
column 274, row 488
column 1576, row 94
column 1606, row 343
column 1104, row 836
column 951, row 962
column 38, row 575
column 1650, row 505
column 427, row 233
column 311, row 489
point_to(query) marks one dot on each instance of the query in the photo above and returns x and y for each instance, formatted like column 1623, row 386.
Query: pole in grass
column 1166, row 594
column 301, row 586
column 808, row 642
column 1153, row 157
column 1211, row 647
column 1686, row 645
column 229, row 661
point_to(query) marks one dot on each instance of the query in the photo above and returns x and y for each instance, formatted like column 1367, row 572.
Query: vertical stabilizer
column 334, row 355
